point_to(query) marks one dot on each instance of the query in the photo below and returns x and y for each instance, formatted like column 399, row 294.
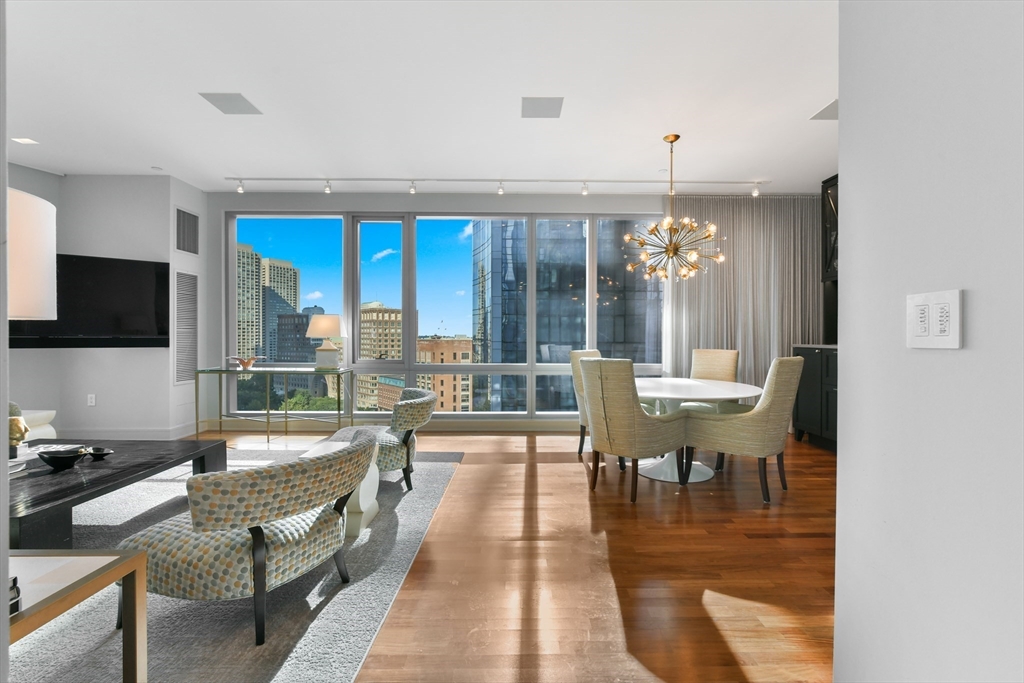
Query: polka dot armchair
column 397, row 442
column 249, row 531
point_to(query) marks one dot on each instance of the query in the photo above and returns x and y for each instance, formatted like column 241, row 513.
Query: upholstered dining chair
column 577, row 385
column 715, row 364
column 397, row 441
column 618, row 423
column 249, row 531
column 757, row 432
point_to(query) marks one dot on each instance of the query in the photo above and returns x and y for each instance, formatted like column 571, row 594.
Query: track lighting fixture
column 585, row 190
column 412, row 187
column 327, row 187
column 501, row 188
column 756, row 191
column 241, row 187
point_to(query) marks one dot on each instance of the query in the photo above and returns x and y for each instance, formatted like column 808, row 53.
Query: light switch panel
column 933, row 320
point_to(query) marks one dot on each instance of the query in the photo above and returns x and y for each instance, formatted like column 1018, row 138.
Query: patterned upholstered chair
column 397, row 441
column 618, row 423
column 756, row 432
column 249, row 531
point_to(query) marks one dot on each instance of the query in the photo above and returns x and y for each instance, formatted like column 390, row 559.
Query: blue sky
column 313, row 245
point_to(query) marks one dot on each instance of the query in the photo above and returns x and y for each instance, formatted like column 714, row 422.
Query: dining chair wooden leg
column 720, row 463
column 622, row 464
column 680, row 463
column 593, row 472
column 782, row 472
column 583, row 433
column 762, row 471
column 687, row 466
column 632, row 486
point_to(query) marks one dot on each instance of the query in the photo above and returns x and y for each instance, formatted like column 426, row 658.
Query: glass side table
column 341, row 386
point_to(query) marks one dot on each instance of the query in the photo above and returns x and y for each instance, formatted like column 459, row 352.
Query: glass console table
column 268, row 371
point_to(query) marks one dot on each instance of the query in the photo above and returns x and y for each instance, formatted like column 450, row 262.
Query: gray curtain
column 764, row 298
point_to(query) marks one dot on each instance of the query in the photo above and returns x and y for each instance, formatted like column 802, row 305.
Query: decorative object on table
column 31, row 257
column 326, row 326
column 96, row 452
column 245, row 363
column 16, row 428
column 61, row 460
column 620, row 426
column 759, row 431
column 675, row 247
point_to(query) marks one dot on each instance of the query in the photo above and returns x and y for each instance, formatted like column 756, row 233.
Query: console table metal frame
column 127, row 566
column 269, row 371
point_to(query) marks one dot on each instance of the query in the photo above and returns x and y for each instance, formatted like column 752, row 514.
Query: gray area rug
column 318, row 629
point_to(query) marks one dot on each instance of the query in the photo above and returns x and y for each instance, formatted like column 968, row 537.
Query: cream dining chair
column 577, row 385
column 618, row 423
column 715, row 364
column 756, row 432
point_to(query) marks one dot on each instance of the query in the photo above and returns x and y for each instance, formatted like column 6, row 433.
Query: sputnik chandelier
column 671, row 246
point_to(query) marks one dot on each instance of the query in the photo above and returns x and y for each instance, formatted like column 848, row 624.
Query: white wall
column 929, row 533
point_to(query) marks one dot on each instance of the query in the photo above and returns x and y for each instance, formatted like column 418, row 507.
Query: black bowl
column 61, row 460
column 97, row 452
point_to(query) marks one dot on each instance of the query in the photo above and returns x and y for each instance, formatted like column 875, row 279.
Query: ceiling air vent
column 188, row 232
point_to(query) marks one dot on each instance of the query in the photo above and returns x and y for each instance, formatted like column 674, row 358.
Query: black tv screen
column 102, row 302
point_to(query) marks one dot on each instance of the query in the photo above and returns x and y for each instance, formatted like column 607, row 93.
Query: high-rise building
column 499, row 311
column 250, row 301
column 293, row 346
column 280, row 281
column 380, row 336
column 454, row 393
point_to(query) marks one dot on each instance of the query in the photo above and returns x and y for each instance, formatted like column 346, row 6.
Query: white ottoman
column 362, row 507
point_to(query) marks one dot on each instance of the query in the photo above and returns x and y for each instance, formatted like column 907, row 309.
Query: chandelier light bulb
column 501, row 188
column 627, row 237
column 720, row 258
column 692, row 256
column 241, row 187
column 412, row 187
column 644, row 256
column 327, row 187
column 712, row 228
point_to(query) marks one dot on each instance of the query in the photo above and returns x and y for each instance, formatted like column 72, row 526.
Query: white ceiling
column 421, row 90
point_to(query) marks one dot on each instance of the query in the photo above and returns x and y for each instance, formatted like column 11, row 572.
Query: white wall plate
column 933, row 320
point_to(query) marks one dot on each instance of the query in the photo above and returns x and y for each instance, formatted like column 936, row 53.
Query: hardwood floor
column 527, row 575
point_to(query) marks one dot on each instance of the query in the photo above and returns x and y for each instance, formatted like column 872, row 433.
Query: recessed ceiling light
column 25, row 141
column 230, row 102
column 542, row 107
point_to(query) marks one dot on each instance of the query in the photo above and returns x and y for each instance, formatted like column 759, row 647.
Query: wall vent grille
column 188, row 232
column 186, row 327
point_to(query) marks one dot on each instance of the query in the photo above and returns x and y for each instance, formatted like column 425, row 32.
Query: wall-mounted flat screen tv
column 102, row 302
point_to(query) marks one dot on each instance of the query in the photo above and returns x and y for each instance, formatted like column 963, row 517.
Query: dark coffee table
column 41, row 499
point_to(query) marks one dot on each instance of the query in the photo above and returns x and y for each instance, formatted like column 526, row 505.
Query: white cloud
column 460, row 292
column 313, row 296
column 382, row 254
column 467, row 232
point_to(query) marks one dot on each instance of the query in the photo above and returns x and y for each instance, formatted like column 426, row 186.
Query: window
column 287, row 269
column 561, row 288
column 380, row 290
column 628, row 306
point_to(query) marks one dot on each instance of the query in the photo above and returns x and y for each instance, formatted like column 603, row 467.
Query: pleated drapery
column 764, row 298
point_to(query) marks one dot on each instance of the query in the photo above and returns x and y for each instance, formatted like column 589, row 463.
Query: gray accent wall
column 930, row 506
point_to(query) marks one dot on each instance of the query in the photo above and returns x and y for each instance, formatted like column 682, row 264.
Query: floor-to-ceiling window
column 287, row 268
column 503, row 299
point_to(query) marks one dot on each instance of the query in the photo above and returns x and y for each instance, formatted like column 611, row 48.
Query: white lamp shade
column 31, row 257
column 323, row 326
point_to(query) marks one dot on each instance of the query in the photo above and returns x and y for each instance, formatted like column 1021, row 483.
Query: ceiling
column 428, row 90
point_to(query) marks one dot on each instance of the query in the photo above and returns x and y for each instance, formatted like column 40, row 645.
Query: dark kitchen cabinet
column 814, row 411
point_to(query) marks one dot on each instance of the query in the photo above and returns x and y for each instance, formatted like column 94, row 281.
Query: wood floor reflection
column 527, row 575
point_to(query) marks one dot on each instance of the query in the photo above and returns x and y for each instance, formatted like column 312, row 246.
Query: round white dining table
column 672, row 391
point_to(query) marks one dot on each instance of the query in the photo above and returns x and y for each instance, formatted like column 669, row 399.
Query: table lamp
column 325, row 326
column 31, row 257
